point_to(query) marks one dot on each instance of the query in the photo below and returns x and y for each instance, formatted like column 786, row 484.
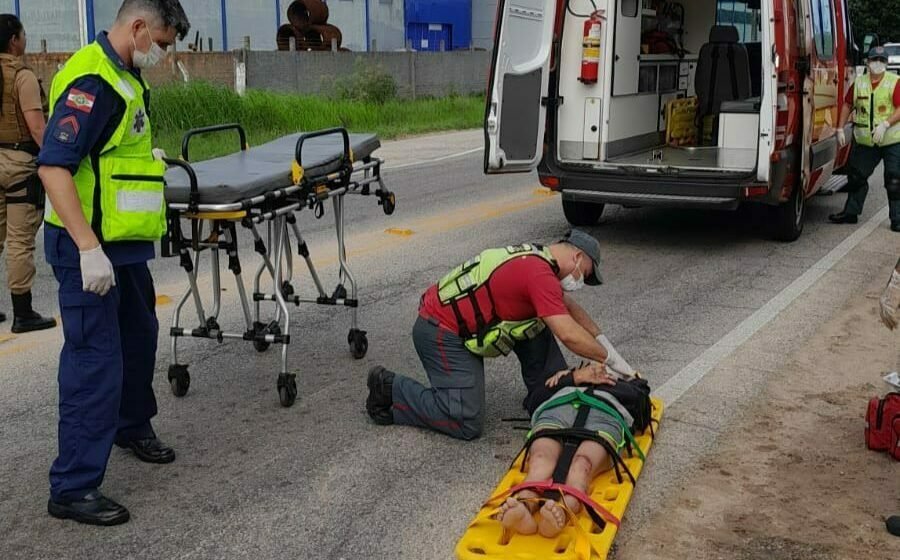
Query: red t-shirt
column 851, row 94
column 523, row 288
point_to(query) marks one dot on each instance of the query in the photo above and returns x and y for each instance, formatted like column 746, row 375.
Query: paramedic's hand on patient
column 591, row 374
column 890, row 302
column 879, row 132
column 615, row 362
column 97, row 275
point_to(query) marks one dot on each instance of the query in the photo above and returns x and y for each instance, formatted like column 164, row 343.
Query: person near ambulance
column 105, row 210
column 22, row 112
column 874, row 100
column 511, row 299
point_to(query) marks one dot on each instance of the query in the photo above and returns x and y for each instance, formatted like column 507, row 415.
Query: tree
column 881, row 17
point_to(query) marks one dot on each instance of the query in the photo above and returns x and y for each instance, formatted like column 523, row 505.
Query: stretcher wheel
column 359, row 344
column 287, row 290
column 287, row 389
column 179, row 380
column 340, row 292
column 389, row 204
column 262, row 330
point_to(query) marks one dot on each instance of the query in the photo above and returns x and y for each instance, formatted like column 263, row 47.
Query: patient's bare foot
column 553, row 519
column 514, row 515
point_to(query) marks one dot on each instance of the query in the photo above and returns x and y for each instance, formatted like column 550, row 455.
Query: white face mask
column 877, row 68
column 570, row 283
column 149, row 59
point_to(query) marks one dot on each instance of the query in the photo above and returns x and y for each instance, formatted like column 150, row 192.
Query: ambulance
column 688, row 104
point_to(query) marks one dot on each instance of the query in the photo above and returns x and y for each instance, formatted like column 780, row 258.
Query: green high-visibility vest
column 121, row 185
column 874, row 107
column 493, row 337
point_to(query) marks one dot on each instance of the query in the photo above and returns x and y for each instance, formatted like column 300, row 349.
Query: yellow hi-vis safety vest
column 493, row 337
column 121, row 186
column 873, row 108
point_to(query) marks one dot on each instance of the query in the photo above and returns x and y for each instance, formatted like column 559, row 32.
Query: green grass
column 266, row 116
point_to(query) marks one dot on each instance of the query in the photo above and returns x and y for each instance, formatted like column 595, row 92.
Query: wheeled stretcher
column 588, row 536
column 262, row 190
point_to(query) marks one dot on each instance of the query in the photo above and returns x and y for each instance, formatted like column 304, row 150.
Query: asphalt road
column 255, row 480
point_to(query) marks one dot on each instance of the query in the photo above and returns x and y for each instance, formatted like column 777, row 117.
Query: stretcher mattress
column 485, row 539
column 264, row 168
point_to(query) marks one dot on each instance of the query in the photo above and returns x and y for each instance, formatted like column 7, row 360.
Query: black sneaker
column 2, row 316
column 843, row 218
column 93, row 509
column 380, row 399
column 895, row 226
column 893, row 525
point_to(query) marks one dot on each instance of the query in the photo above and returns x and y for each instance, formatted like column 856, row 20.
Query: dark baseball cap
column 878, row 53
column 590, row 247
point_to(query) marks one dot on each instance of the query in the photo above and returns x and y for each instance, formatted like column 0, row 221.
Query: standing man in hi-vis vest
column 105, row 210
column 22, row 115
column 510, row 299
column 875, row 101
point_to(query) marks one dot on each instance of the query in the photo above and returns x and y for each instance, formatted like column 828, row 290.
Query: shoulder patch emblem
column 80, row 101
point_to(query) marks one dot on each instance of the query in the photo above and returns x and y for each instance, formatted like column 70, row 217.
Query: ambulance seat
column 723, row 71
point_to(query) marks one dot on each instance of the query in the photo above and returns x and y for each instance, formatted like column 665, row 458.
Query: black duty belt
column 27, row 147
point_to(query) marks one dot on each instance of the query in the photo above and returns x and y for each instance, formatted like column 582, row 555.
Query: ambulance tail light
column 549, row 181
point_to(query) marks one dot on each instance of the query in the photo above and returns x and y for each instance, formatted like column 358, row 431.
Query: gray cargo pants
column 454, row 404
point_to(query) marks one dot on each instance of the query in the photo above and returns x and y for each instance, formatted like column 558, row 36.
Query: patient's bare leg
column 590, row 460
column 515, row 514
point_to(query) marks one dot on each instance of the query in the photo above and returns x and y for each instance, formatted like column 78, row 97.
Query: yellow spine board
column 485, row 539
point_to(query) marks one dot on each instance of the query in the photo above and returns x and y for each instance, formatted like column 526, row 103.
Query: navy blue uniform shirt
column 84, row 119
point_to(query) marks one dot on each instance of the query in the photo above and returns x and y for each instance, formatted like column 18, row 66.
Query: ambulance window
column 823, row 27
column 629, row 8
column 744, row 18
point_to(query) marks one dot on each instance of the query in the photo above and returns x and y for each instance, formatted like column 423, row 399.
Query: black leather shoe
column 895, row 226
column 32, row 322
column 893, row 525
column 93, row 509
column 2, row 316
column 380, row 399
column 149, row 450
column 843, row 218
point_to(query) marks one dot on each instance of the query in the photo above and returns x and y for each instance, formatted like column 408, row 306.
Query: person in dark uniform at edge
column 22, row 112
column 875, row 101
column 511, row 299
column 105, row 210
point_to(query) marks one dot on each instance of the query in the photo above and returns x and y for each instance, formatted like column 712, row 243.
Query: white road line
column 691, row 374
column 429, row 161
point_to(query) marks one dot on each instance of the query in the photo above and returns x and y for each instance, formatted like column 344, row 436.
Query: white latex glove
column 841, row 138
column 614, row 361
column 159, row 154
column 97, row 274
column 890, row 302
column 879, row 132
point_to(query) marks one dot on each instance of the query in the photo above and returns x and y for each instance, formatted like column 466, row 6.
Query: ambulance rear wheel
column 788, row 220
column 580, row 213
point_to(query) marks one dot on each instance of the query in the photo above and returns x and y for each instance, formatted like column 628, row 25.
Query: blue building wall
column 428, row 22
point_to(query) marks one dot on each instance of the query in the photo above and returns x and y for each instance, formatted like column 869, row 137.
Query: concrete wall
column 416, row 74
column 217, row 68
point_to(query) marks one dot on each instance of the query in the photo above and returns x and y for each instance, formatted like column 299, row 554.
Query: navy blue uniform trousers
column 105, row 374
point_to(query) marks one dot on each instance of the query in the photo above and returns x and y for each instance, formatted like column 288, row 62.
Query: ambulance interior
column 679, row 86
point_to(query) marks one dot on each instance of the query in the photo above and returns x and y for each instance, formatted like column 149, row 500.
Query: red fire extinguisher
column 590, row 48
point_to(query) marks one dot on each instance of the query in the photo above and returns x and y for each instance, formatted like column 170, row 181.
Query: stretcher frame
column 214, row 228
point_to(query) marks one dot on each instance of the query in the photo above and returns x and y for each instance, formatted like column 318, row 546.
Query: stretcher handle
column 186, row 141
column 298, row 154
column 193, row 197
